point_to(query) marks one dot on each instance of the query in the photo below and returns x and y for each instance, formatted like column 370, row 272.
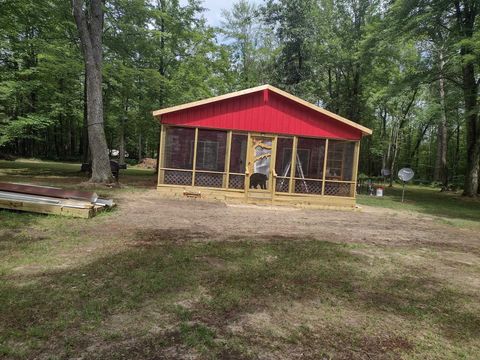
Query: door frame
column 249, row 163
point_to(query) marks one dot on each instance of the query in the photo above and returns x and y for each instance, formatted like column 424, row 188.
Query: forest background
column 408, row 69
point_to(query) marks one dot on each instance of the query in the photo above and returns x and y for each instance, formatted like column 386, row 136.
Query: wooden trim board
column 224, row 195
column 161, row 154
column 325, row 159
column 293, row 164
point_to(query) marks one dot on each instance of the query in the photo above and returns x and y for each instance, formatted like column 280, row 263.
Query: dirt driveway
column 215, row 220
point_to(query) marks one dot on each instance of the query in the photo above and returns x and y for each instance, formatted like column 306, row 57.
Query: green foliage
column 378, row 64
column 250, row 44
column 24, row 127
column 295, row 24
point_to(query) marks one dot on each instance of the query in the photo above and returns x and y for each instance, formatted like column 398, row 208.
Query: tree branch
column 407, row 110
column 82, row 26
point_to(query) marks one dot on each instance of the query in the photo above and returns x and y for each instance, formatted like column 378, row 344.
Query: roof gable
column 256, row 104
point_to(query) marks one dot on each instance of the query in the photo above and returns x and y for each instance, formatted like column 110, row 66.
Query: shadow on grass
column 50, row 312
column 12, row 227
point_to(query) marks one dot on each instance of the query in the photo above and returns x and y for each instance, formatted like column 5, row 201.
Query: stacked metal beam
column 49, row 200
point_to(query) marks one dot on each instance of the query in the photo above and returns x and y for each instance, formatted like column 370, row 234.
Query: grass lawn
column 159, row 279
column 65, row 174
column 448, row 207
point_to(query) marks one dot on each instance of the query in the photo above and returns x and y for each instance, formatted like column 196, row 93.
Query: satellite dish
column 385, row 172
column 406, row 174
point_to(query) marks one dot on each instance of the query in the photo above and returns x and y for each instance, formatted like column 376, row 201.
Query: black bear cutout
column 258, row 179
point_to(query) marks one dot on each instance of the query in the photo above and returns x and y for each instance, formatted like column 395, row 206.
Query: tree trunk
column 90, row 28
column 395, row 135
column 465, row 17
column 456, row 156
column 139, row 147
column 85, row 148
column 121, row 150
column 478, row 177
column 421, row 135
column 473, row 137
column 162, row 72
column 389, row 158
column 441, row 169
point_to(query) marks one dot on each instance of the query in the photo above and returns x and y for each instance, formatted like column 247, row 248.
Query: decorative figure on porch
column 258, row 179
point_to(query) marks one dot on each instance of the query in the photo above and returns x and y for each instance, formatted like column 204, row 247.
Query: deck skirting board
column 236, row 196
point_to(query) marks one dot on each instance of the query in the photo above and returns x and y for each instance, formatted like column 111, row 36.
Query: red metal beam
column 48, row 191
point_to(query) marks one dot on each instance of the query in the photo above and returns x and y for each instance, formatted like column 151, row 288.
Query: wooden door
column 261, row 165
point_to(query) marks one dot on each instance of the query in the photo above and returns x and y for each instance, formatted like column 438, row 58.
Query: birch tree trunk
column 89, row 23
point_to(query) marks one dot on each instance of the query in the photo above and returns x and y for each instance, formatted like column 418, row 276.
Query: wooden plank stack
column 48, row 200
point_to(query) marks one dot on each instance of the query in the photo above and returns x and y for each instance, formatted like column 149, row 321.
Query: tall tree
column 89, row 20
column 294, row 22
column 441, row 168
column 249, row 42
column 466, row 13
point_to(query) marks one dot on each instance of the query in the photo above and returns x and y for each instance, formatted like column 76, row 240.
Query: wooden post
column 273, row 159
column 247, row 164
column 226, row 176
column 355, row 167
column 325, row 158
column 195, row 143
column 161, row 154
column 293, row 164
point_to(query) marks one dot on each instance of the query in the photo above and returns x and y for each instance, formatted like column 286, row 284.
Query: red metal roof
column 263, row 109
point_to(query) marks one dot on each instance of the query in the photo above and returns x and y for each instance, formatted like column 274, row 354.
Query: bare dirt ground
column 372, row 225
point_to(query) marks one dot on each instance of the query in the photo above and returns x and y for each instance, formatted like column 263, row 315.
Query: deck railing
column 236, row 181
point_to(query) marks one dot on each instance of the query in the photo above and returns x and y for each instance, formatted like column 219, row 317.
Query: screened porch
column 284, row 165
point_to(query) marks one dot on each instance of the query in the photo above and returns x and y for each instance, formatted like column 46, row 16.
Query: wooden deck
column 257, row 197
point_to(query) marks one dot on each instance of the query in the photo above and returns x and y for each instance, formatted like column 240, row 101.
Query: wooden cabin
column 260, row 145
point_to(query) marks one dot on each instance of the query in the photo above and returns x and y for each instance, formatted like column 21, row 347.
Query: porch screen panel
column 283, row 163
column 211, row 150
column 210, row 162
column 340, row 160
column 238, row 156
column 339, row 177
column 310, row 158
column 348, row 159
column 179, row 155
